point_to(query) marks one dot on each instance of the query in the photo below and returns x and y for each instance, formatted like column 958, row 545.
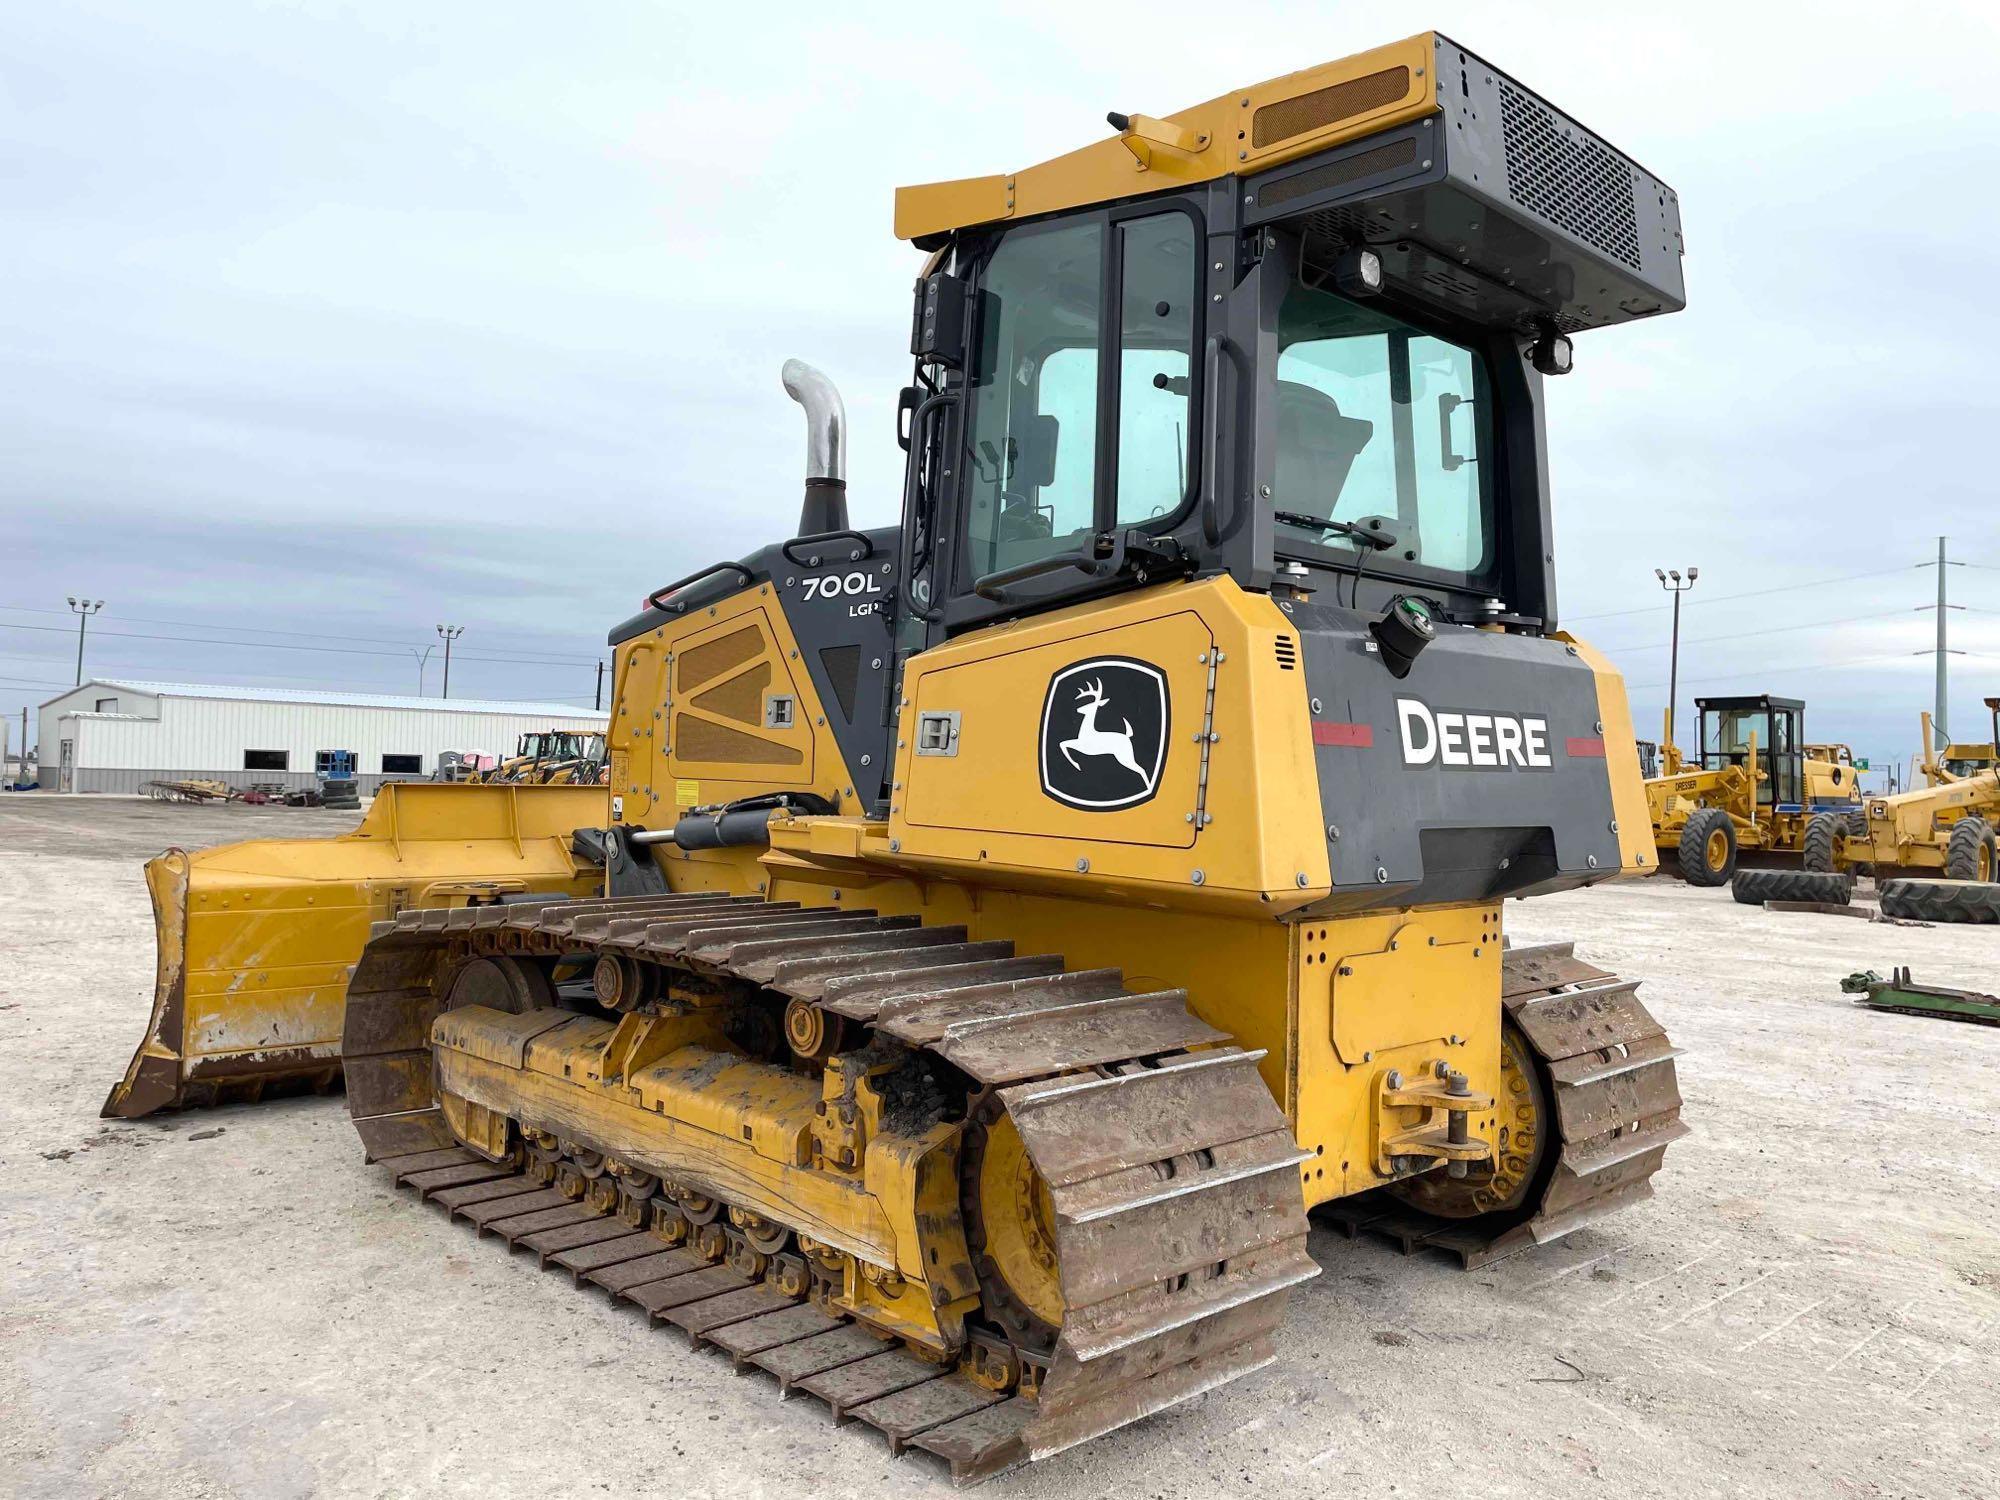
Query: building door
column 66, row 768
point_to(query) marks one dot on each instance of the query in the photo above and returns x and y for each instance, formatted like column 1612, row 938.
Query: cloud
column 345, row 320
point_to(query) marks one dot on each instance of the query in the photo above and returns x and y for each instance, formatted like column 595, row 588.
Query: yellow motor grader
column 1758, row 788
column 1932, row 849
column 1002, row 927
column 1960, row 758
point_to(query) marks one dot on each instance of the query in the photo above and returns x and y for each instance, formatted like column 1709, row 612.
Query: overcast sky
column 342, row 321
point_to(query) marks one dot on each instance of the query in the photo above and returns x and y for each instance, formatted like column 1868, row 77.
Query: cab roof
column 1244, row 130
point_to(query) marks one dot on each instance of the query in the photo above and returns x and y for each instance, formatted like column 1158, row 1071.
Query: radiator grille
column 717, row 744
column 1568, row 178
column 711, row 659
column 740, row 698
column 1307, row 112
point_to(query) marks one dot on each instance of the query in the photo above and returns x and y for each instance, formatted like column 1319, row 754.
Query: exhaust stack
column 825, row 507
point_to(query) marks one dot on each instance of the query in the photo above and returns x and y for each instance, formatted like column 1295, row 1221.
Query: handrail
column 905, row 556
column 1213, row 350
column 657, row 599
column 994, row 586
column 867, row 547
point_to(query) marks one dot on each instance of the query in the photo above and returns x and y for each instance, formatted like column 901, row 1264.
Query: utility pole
column 450, row 634
column 422, row 661
column 1937, row 709
column 1677, row 586
column 1942, row 650
column 597, row 698
column 83, row 609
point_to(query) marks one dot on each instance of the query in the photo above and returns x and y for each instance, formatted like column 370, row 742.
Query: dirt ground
column 228, row 1303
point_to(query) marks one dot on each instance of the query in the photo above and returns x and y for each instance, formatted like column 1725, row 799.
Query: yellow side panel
column 993, row 783
column 725, row 678
column 1375, row 996
column 1247, row 837
column 1621, row 761
column 691, row 717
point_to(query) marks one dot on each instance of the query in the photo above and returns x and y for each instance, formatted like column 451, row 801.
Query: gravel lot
column 227, row 1303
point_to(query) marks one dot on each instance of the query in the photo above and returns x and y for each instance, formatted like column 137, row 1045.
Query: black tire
column 1755, row 887
column 1704, row 825
column 1942, row 901
column 1821, row 847
column 1968, row 853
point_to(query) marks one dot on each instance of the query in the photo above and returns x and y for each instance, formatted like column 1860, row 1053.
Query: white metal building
column 114, row 735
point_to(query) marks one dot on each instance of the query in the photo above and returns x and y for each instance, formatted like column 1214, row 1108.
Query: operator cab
column 1303, row 343
column 1732, row 729
column 1963, row 760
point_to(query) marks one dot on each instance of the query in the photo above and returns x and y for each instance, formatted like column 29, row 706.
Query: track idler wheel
column 1010, row 1230
column 1526, row 1145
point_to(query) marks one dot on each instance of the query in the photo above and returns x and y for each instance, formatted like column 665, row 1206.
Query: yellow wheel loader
column 1758, row 789
column 1002, row 927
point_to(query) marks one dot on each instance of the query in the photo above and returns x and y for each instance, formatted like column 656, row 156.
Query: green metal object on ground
column 1899, row 993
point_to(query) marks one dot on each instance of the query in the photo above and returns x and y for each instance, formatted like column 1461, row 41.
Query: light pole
column 1676, row 585
column 83, row 609
column 450, row 634
column 423, row 661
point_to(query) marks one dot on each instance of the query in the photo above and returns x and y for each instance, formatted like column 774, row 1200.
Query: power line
column 378, row 640
column 1755, row 593
column 1740, row 635
column 193, row 640
column 1824, row 666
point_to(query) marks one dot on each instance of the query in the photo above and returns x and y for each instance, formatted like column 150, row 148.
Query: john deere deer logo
column 1104, row 733
column 1090, row 740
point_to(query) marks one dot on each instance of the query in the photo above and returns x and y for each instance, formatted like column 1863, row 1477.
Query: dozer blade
column 257, row 940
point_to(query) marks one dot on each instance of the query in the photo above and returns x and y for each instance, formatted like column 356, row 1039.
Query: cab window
column 1047, row 433
column 1031, row 439
column 1378, row 419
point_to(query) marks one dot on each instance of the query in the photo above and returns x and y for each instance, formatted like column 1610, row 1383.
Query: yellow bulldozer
column 1758, row 788
column 1001, row 928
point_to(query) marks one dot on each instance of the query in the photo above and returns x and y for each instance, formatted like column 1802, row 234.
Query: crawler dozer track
column 1584, row 1053
column 1162, row 1199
